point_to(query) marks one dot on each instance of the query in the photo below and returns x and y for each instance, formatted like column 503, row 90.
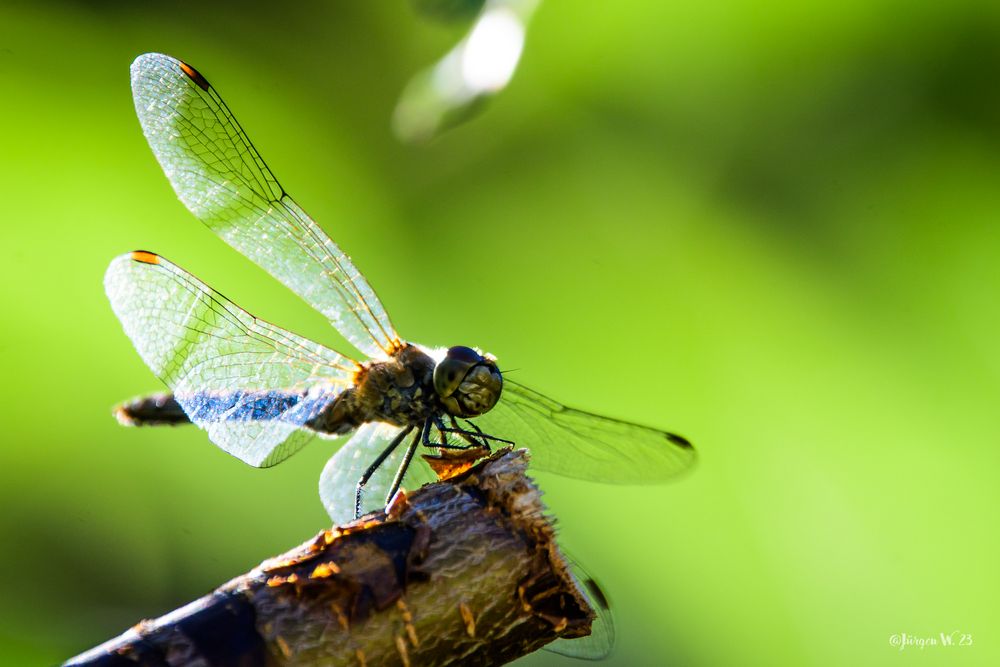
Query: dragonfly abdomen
column 153, row 410
column 247, row 405
column 168, row 410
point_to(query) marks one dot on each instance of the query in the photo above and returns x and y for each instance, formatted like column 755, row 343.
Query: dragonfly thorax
column 468, row 383
column 409, row 388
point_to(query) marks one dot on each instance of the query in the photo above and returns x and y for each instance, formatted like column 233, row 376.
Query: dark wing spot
column 597, row 594
column 195, row 76
column 680, row 441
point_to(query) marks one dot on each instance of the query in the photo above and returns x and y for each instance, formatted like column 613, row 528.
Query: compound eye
column 479, row 391
column 466, row 354
column 450, row 372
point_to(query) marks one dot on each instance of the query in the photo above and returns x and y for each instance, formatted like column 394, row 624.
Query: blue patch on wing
column 253, row 406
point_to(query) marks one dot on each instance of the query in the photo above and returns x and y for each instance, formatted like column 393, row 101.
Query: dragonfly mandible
column 261, row 392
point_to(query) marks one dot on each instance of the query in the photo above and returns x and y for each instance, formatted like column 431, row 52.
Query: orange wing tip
column 145, row 257
column 194, row 75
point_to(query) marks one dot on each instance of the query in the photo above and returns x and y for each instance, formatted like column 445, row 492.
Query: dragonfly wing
column 580, row 444
column 339, row 481
column 223, row 180
column 601, row 640
column 248, row 383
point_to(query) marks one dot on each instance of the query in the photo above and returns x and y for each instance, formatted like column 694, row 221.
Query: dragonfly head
column 468, row 383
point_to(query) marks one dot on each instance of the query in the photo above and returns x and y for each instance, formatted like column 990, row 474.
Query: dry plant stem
column 464, row 571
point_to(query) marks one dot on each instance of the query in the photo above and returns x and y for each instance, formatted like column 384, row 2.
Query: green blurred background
column 771, row 228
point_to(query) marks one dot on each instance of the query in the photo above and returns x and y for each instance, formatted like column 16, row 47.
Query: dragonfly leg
column 443, row 443
column 485, row 437
column 397, row 481
column 426, row 434
column 475, row 438
column 374, row 466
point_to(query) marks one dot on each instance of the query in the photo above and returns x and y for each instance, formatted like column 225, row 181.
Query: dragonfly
column 261, row 392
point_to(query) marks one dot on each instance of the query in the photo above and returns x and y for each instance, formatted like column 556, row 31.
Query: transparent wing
column 249, row 384
column 339, row 481
column 601, row 640
column 221, row 178
column 580, row 444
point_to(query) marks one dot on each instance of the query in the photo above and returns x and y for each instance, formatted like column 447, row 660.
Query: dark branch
column 464, row 571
